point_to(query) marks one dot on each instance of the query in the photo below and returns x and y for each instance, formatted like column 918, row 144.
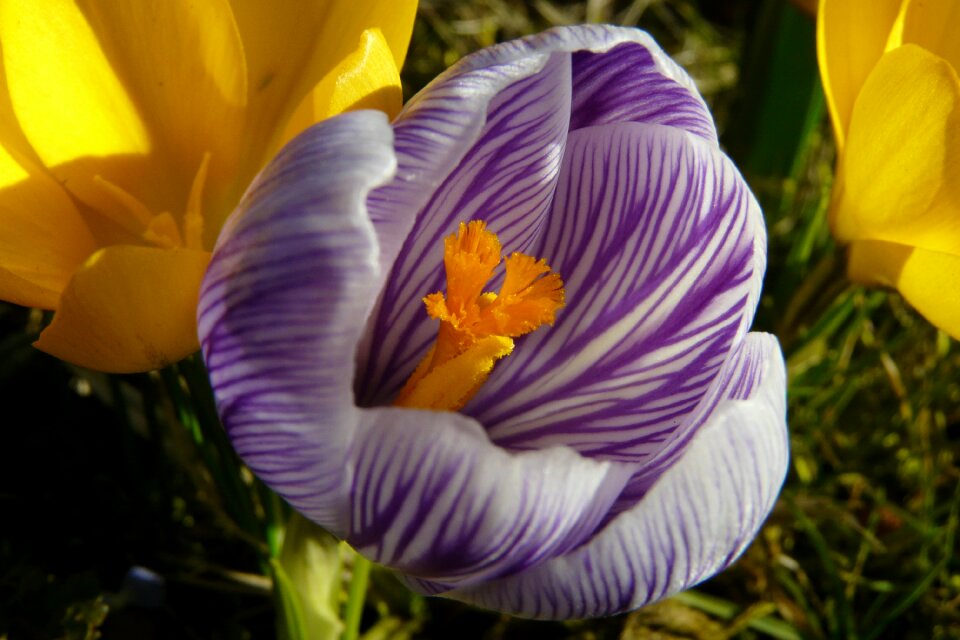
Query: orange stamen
column 161, row 229
column 477, row 327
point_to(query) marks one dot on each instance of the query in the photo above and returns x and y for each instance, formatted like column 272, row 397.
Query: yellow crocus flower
column 129, row 131
column 889, row 69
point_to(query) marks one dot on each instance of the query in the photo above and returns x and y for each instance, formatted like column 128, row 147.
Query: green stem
column 820, row 287
column 355, row 598
column 198, row 414
column 276, row 515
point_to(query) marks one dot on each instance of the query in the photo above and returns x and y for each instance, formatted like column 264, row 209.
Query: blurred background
column 100, row 474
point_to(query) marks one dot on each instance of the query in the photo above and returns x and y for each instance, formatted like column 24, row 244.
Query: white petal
column 696, row 520
column 282, row 306
column 662, row 248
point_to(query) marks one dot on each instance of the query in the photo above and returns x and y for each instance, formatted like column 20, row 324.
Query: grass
column 99, row 474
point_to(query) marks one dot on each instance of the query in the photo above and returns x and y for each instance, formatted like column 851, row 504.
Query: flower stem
column 190, row 392
column 355, row 598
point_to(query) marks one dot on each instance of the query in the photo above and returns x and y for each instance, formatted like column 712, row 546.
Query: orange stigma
column 477, row 327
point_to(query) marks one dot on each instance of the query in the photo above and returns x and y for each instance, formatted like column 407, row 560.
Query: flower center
column 477, row 327
column 161, row 229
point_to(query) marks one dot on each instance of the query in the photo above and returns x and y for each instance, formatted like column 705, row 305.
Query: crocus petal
column 899, row 179
column 933, row 26
column 676, row 248
column 929, row 280
column 653, row 88
column 470, row 112
column 43, row 239
column 629, row 84
column 506, row 179
column 366, row 79
column 851, row 37
column 276, row 339
column 53, row 58
column 246, row 66
column 695, row 521
column 369, row 78
column 742, row 373
column 426, row 492
column 434, row 498
column 440, row 124
column 128, row 309
column 273, row 32
column 183, row 62
column 292, row 46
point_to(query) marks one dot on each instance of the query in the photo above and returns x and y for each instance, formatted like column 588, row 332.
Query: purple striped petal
column 624, row 454
column 281, row 309
column 281, row 312
column 696, row 520
column 434, row 498
column 441, row 125
column 484, row 140
column 506, row 178
column 626, row 84
column 661, row 247
column 741, row 374
column 619, row 75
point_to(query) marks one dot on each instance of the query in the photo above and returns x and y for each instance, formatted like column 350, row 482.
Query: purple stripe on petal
column 282, row 306
column 622, row 455
column 740, row 376
column 432, row 134
column 619, row 75
column 434, row 498
column 696, row 520
column 625, row 84
column 439, row 139
column 506, row 178
column 657, row 239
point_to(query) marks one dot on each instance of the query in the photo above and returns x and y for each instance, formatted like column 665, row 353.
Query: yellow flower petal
column 928, row 280
column 851, row 37
column 42, row 236
column 129, row 309
column 183, row 63
column 63, row 89
column 394, row 18
column 74, row 111
column 291, row 46
column 899, row 178
column 366, row 79
column 155, row 116
column 932, row 24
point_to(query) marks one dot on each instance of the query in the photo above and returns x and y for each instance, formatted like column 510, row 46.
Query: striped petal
column 281, row 311
column 484, row 140
column 662, row 248
column 506, row 178
column 618, row 75
column 632, row 83
column 435, row 499
column 741, row 375
column 291, row 280
column 696, row 520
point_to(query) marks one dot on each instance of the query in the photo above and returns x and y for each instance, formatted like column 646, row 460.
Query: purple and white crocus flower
column 627, row 452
